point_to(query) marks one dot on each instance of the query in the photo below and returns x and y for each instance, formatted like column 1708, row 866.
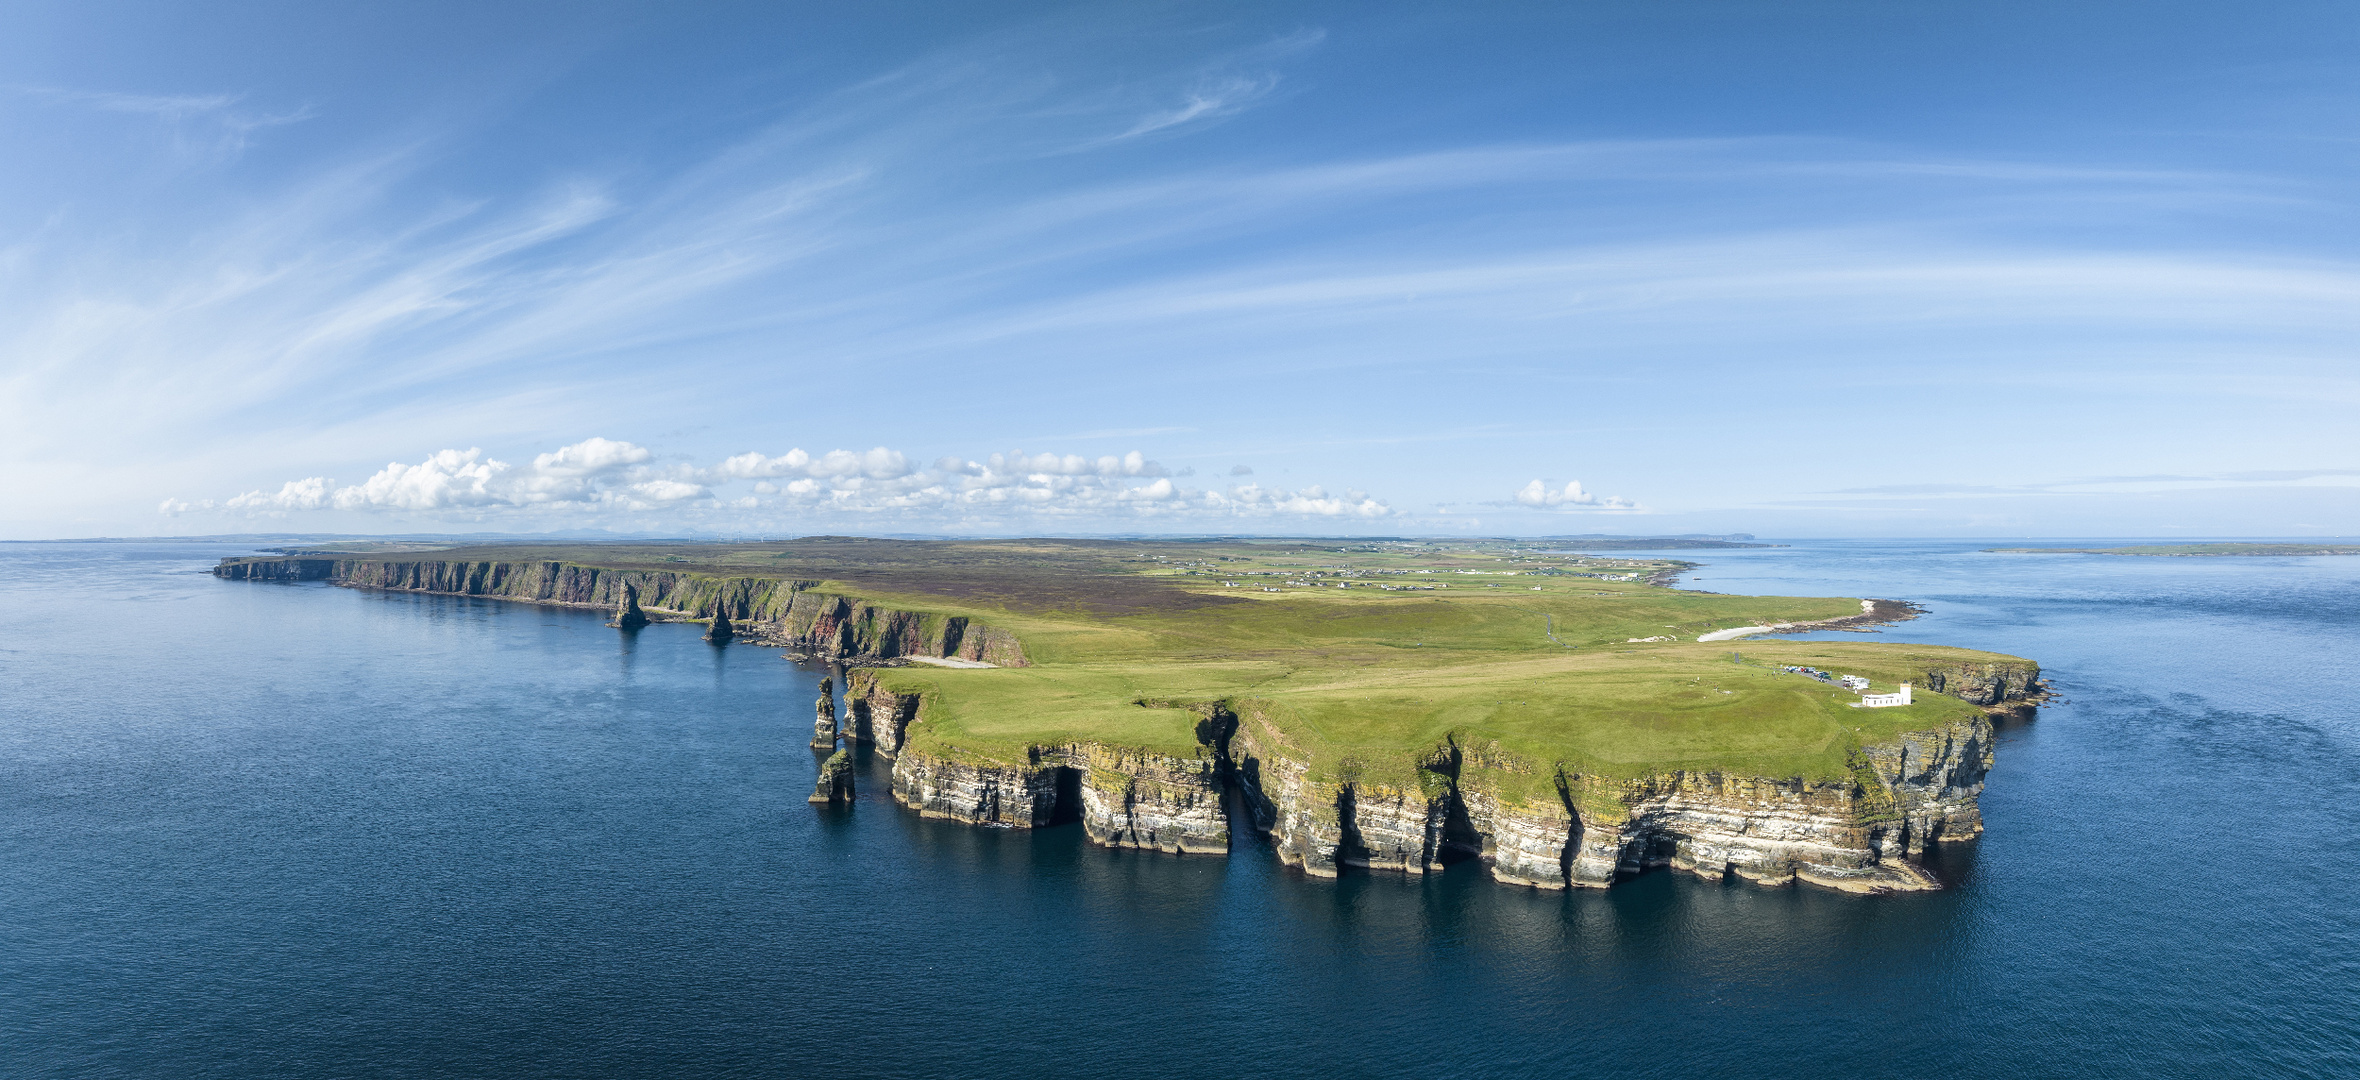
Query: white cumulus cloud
column 590, row 456
column 592, row 472
column 1571, row 496
column 600, row 474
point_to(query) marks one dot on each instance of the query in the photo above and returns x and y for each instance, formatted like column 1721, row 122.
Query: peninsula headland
column 1565, row 718
column 2188, row 550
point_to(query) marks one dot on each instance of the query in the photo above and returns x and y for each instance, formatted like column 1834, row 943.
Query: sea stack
column 720, row 632
column 823, row 730
column 835, row 779
column 628, row 616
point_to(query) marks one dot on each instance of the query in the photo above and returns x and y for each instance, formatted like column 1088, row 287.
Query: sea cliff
column 1406, row 723
column 1123, row 796
column 780, row 612
column 1538, row 824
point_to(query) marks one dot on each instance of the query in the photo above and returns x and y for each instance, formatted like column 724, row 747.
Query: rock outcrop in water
column 2012, row 687
column 823, row 729
column 835, row 779
column 1856, row 834
column 770, row 611
column 629, row 617
column 720, row 631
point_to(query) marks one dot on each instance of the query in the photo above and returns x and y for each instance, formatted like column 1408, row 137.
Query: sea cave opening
column 1066, row 807
column 1460, row 840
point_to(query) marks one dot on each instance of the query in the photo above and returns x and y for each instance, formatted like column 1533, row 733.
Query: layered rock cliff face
column 1530, row 825
column 838, row 626
column 1853, row 834
column 770, row 611
column 1553, row 829
column 978, row 794
column 1141, row 800
column 1122, row 796
column 876, row 715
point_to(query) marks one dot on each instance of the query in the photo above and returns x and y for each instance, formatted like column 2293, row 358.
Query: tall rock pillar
column 628, row 616
column 823, row 730
column 720, row 632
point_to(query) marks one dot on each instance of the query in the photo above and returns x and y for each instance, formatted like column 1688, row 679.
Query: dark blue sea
column 261, row 831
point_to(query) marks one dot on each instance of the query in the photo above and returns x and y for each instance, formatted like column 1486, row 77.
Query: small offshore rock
column 720, row 632
column 835, row 779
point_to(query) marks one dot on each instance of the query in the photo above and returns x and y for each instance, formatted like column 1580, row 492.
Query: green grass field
column 1365, row 654
column 1368, row 680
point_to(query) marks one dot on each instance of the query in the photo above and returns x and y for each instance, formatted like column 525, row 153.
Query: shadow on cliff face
column 1951, row 863
column 1351, row 851
column 1067, row 808
column 1248, row 824
column 1460, row 840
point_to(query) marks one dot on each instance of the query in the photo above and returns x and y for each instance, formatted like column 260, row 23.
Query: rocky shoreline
column 1859, row 834
column 1874, row 613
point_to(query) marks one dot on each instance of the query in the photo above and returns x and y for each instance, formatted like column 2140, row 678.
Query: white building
column 1884, row 701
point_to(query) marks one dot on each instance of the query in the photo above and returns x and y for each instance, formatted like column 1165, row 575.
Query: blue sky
column 1802, row 269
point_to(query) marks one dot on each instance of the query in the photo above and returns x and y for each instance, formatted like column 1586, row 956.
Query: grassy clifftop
column 1364, row 655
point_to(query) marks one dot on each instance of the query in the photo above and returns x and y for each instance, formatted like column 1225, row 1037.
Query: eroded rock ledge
column 1858, row 834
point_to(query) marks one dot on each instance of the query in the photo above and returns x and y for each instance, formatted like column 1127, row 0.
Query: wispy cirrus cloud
column 896, row 238
column 203, row 125
column 1223, row 88
column 1209, row 100
column 160, row 106
column 308, row 296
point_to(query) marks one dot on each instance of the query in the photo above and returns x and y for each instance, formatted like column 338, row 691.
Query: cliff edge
column 778, row 612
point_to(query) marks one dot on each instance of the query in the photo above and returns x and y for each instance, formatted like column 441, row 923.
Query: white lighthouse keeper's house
column 1883, row 701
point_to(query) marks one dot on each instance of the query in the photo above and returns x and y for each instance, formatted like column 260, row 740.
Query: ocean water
column 261, row 831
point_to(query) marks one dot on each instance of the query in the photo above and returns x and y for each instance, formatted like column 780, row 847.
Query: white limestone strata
column 1531, row 823
column 1141, row 800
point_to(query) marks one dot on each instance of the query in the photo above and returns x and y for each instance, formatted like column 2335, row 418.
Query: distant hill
column 2215, row 550
column 1655, row 543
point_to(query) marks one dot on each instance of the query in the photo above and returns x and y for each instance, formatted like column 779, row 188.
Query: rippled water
column 291, row 830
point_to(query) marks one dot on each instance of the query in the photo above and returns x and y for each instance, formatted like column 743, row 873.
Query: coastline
column 1547, row 814
column 1872, row 613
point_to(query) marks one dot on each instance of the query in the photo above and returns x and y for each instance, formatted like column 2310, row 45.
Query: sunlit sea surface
column 254, row 831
